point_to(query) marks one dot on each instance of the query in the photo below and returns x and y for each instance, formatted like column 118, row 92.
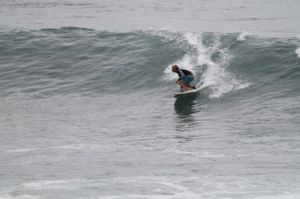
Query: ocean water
column 87, row 106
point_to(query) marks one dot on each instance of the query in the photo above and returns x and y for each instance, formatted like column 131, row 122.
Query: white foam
column 215, row 76
column 61, row 147
column 24, row 150
column 282, row 196
column 161, row 188
column 219, row 81
column 203, row 53
column 201, row 155
column 242, row 36
column 68, row 184
column 161, row 196
column 7, row 196
column 157, row 187
column 69, row 147
column 178, row 192
column 297, row 51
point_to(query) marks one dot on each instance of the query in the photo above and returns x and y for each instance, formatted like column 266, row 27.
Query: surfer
column 185, row 78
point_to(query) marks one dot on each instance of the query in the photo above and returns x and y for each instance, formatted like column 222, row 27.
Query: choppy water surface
column 88, row 110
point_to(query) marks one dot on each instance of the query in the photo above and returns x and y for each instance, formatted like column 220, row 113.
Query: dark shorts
column 187, row 79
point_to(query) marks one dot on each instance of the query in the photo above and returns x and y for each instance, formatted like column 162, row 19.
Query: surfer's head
column 175, row 68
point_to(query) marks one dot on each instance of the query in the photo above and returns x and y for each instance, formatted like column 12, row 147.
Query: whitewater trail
column 213, row 76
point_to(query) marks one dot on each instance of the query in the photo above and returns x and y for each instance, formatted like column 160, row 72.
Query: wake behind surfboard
column 189, row 92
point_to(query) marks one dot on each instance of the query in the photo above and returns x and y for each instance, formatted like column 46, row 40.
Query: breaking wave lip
column 242, row 36
column 297, row 51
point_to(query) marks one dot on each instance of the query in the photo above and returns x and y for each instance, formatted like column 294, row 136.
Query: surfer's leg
column 184, row 87
column 188, row 87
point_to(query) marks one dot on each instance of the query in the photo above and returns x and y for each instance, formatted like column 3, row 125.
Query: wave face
column 80, row 61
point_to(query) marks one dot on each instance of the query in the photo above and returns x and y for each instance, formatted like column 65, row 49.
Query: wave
column 81, row 61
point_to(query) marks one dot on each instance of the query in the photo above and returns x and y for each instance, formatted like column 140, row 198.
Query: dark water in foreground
column 89, row 113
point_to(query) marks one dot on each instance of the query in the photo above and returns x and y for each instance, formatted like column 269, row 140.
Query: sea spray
column 214, row 77
column 242, row 36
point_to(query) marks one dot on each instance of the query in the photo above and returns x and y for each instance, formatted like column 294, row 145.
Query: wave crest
column 87, row 62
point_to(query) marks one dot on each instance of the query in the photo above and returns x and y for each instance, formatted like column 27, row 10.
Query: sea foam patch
column 67, row 184
column 281, row 196
column 297, row 51
column 242, row 36
column 22, row 150
column 216, row 77
column 26, row 196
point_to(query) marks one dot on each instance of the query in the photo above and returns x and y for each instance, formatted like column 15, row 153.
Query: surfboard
column 189, row 92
